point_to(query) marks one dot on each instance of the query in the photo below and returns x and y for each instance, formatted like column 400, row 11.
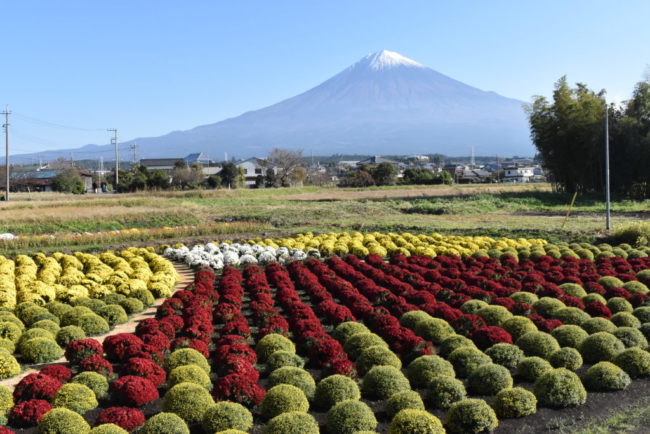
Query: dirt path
column 186, row 276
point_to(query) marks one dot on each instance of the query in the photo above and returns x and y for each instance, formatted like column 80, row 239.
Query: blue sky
column 150, row 67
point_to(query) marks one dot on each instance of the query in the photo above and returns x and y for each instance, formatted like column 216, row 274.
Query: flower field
column 277, row 340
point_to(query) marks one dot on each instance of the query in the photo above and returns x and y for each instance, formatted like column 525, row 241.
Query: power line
column 53, row 124
column 117, row 156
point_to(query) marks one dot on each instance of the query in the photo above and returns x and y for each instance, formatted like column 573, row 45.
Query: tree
column 358, row 178
column 157, row 179
column 69, row 181
column 384, row 174
column 298, row 176
column 229, row 173
column 259, row 181
column 270, row 180
column 285, row 161
column 213, row 181
column 187, row 177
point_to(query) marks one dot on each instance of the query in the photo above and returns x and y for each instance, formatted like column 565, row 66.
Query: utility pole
column 134, row 146
column 608, row 204
column 117, row 156
column 6, row 112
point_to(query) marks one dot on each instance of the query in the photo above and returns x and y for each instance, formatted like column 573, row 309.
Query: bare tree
column 285, row 161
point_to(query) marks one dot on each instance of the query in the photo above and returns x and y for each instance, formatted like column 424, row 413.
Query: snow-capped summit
column 387, row 59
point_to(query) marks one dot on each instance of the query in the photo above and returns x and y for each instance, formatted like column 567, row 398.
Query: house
column 43, row 180
column 473, row 176
column 376, row 159
column 252, row 168
column 168, row 164
column 519, row 174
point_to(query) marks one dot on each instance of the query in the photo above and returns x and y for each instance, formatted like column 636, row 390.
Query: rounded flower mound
column 531, row 368
column 634, row 361
column 403, row 400
column 631, row 337
column 9, row 366
column 538, row 344
column 569, row 335
column 595, row 325
column 470, row 416
column 133, row 391
column 60, row 372
column 518, row 326
column 601, row 346
column 453, row 343
column 377, row 356
column 63, row 421
column 444, row 391
column 350, row 416
column 188, row 400
column 76, row 397
column 489, row 379
column 227, row 415
column 70, row 333
column 566, row 357
column 36, row 386
column 189, row 374
column 560, row 388
column 94, row 381
column 606, row 377
column 29, row 413
column 125, row 417
column 412, row 318
column 283, row 398
column 164, row 423
column 76, row 351
column 334, row 389
column 347, row 329
column 280, row 359
column 507, row 355
column 296, row 377
column 434, row 330
column 145, row 368
column 358, row 342
column 410, row 421
column 466, row 359
column 383, row 381
column 293, row 422
column 271, row 343
column 40, row 350
column 186, row 356
column 514, row 402
column 425, row 368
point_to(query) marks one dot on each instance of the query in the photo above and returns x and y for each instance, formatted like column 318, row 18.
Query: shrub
column 76, row 351
column 610, row 282
column 164, row 423
column 296, row 377
column 48, row 325
column 466, row 359
column 382, row 382
column 642, row 313
column 93, row 324
column 572, row 315
column 452, row 343
column 62, row 421
column 189, row 374
column 94, row 381
column 377, row 356
column 144, row 295
column 113, row 314
column 494, row 315
column 422, row 370
column 531, row 368
column 108, row 428
column 635, row 287
column 131, row 305
column 444, row 391
column 293, row 422
column 36, row 386
column 345, row 330
column 518, row 326
column 473, row 306
column 514, row 402
column 11, row 331
column 631, row 337
column 31, row 334
column 601, row 346
column 280, row 359
column 573, row 289
column 271, row 343
column 283, row 398
column 113, row 298
column 187, row 356
column 97, row 364
column 125, row 417
column 402, row 400
column 435, row 330
column 9, row 366
column 350, row 416
column 150, row 370
column 645, row 329
column 60, row 372
column 619, row 304
column 133, row 391
column 507, row 355
column 227, row 415
column 489, row 379
column 75, row 397
column 593, row 297
column 7, row 346
column 334, row 389
column 560, row 388
column 40, row 350
column 567, row 357
column 27, row 413
column 634, row 361
column 524, row 297
column 598, row 324
column 606, row 377
column 410, row 421
column 569, row 335
column 547, row 306
column 538, row 344
column 358, row 342
column 188, row 400
column 470, row 416
column 411, row 318
column 67, row 334
column 6, row 403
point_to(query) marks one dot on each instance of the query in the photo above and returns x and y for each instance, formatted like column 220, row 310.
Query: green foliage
column 10, row 330
column 631, row 337
column 634, row 361
column 189, row 374
column 489, row 379
column 518, row 326
column 283, row 398
column 470, row 416
column 452, row 343
column 410, row 421
column 227, row 415
column 164, row 423
column 113, row 314
column 435, row 330
column 636, row 287
column 572, row 315
column 606, row 377
column 466, row 359
column 601, row 346
column 473, row 306
column 531, row 368
column 560, row 388
column 73, row 317
column 358, row 342
column 63, row 421
column 538, row 344
column 547, row 306
column 412, row 318
column 186, row 356
column 93, row 324
column 444, row 391
column 333, row 389
column 590, row 298
column 381, row 382
column 345, row 330
column 514, row 402
column 48, row 325
column 619, row 304
column 40, row 350
column 350, row 416
column 279, row 359
column 524, row 297
column 188, row 400
column 69, row 181
column 376, row 356
column 384, row 173
column 573, row 289
column 7, row 346
column 402, row 400
column 610, row 282
column 642, row 313
column 422, row 370
column 507, row 355
column 598, row 324
column 296, row 377
column 144, row 295
column 9, row 366
column 494, row 315
column 76, row 397
column 566, row 357
column 96, row 382
column 569, row 335
column 293, row 422
column 33, row 333
column 108, row 428
column 625, row 319
column 271, row 343
column 131, row 305
column 68, row 334
column 6, row 404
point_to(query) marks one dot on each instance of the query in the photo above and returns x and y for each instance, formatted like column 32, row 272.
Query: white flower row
column 218, row 256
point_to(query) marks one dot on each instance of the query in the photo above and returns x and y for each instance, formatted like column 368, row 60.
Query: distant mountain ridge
column 383, row 104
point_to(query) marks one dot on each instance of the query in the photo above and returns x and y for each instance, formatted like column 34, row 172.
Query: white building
column 519, row 174
column 252, row 168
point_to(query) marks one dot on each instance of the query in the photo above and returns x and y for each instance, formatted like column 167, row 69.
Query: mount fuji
column 383, row 104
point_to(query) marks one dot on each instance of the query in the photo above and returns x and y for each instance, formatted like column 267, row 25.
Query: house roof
column 199, row 157
column 42, row 174
column 160, row 161
column 376, row 159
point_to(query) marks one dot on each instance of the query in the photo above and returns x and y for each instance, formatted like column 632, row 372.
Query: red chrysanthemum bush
column 133, row 391
column 237, row 388
column 76, row 351
column 125, row 417
column 117, row 346
column 28, row 413
column 60, row 372
column 36, row 386
column 97, row 364
column 196, row 344
column 144, row 368
column 487, row 336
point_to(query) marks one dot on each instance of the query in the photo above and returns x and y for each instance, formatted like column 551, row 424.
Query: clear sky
column 150, row 67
